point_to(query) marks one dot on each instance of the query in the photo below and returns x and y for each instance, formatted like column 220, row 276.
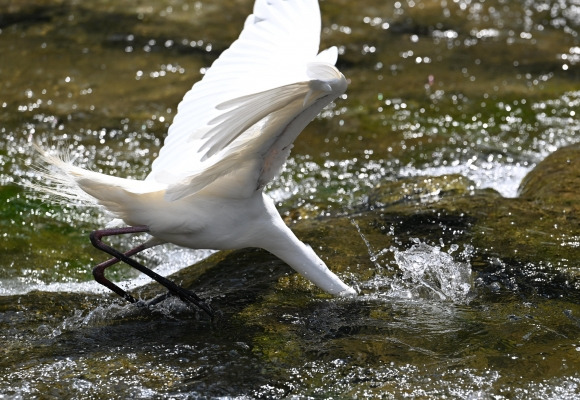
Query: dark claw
column 158, row 299
column 190, row 297
column 187, row 297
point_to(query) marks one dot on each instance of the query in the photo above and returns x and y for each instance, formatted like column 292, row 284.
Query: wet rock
column 518, row 244
column 518, row 250
column 28, row 13
column 555, row 182
column 419, row 190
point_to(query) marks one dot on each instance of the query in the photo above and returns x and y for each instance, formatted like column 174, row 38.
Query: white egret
column 231, row 135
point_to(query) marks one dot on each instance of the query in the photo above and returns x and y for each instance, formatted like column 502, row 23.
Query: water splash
column 427, row 272
column 103, row 315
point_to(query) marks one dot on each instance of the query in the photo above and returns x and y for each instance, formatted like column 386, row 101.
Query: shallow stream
column 426, row 186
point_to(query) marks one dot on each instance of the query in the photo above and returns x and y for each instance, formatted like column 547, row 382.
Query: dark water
column 407, row 187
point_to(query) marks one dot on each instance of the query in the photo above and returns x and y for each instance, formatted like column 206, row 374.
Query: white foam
column 505, row 178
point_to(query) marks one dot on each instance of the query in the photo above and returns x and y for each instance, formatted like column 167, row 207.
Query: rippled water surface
column 407, row 185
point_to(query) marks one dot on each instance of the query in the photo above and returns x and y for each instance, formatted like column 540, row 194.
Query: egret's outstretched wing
column 267, row 123
column 273, row 50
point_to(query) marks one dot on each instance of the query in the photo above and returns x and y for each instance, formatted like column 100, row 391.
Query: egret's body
column 232, row 134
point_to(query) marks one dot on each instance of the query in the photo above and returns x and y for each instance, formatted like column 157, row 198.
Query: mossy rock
column 517, row 241
column 419, row 190
column 555, row 182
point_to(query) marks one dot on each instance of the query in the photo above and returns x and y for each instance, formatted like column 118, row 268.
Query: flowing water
column 408, row 186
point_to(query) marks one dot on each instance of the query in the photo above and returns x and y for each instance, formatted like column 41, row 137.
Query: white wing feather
column 275, row 44
column 267, row 123
column 229, row 121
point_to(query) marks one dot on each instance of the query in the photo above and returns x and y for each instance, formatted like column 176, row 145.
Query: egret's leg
column 99, row 270
column 99, row 274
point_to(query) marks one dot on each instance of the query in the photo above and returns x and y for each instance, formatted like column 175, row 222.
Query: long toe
column 191, row 298
column 158, row 299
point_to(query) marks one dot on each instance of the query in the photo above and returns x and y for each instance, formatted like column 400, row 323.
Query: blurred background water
column 408, row 185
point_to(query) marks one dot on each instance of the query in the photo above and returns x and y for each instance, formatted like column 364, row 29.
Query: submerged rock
column 513, row 248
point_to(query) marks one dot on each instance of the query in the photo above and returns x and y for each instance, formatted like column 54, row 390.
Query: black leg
column 99, row 270
column 99, row 274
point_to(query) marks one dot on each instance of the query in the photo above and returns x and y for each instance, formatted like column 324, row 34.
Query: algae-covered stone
column 518, row 242
column 555, row 182
column 419, row 189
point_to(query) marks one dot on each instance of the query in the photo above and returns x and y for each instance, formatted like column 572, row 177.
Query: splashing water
column 429, row 273
column 502, row 177
column 425, row 272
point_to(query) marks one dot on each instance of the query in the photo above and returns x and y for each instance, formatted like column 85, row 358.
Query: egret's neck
column 285, row 245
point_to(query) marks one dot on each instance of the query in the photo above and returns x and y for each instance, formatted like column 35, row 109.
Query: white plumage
column 232, row 134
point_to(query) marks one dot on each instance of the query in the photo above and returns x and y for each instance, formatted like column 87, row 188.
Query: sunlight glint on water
column 167, row 261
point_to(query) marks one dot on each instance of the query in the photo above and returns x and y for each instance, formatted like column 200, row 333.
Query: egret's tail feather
column 55, row 177
column 65, row 182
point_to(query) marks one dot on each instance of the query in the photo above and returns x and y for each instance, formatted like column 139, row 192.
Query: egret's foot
column 191, row 298
column 158, row 299
column 184, row 295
